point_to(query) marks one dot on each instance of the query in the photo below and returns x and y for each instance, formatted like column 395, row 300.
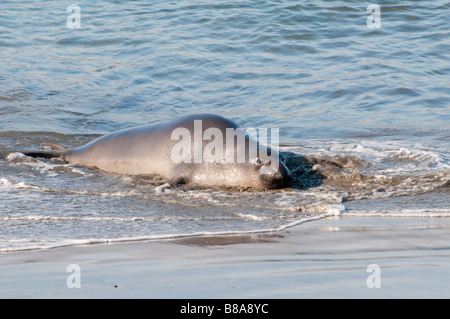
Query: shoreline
column 327, row 258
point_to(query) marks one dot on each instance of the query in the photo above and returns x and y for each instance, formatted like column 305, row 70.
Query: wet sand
column 327, row 258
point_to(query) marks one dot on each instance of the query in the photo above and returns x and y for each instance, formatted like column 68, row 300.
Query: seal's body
column 204, row 160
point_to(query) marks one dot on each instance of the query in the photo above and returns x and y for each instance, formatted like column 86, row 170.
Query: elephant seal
column 202, row 149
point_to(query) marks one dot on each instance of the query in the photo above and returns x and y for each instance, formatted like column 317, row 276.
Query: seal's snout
column 274, row 175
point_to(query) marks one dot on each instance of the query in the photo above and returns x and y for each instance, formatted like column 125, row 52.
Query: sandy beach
column 342, row 257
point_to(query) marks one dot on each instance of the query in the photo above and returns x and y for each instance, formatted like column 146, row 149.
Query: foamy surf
column 368, row 169
column 7, row 185
column 413, row 213
column 49, row 168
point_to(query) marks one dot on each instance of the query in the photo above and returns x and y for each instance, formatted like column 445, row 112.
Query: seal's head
column 274, row 174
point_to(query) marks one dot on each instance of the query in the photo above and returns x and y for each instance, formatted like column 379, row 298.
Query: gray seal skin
column 148, row 150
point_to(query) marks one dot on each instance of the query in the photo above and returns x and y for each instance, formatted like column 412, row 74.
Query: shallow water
column 363, row 114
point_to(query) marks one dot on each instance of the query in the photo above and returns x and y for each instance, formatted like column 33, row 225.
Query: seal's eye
column 258, row 161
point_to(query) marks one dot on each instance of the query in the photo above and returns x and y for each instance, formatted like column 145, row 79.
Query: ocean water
column 363, row 112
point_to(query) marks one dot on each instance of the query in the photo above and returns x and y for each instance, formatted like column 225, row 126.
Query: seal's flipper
column 162, row 188
column 46, row 155
column 55, row 151
column 174, row 181
column 177, row 180
column 181, row 175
